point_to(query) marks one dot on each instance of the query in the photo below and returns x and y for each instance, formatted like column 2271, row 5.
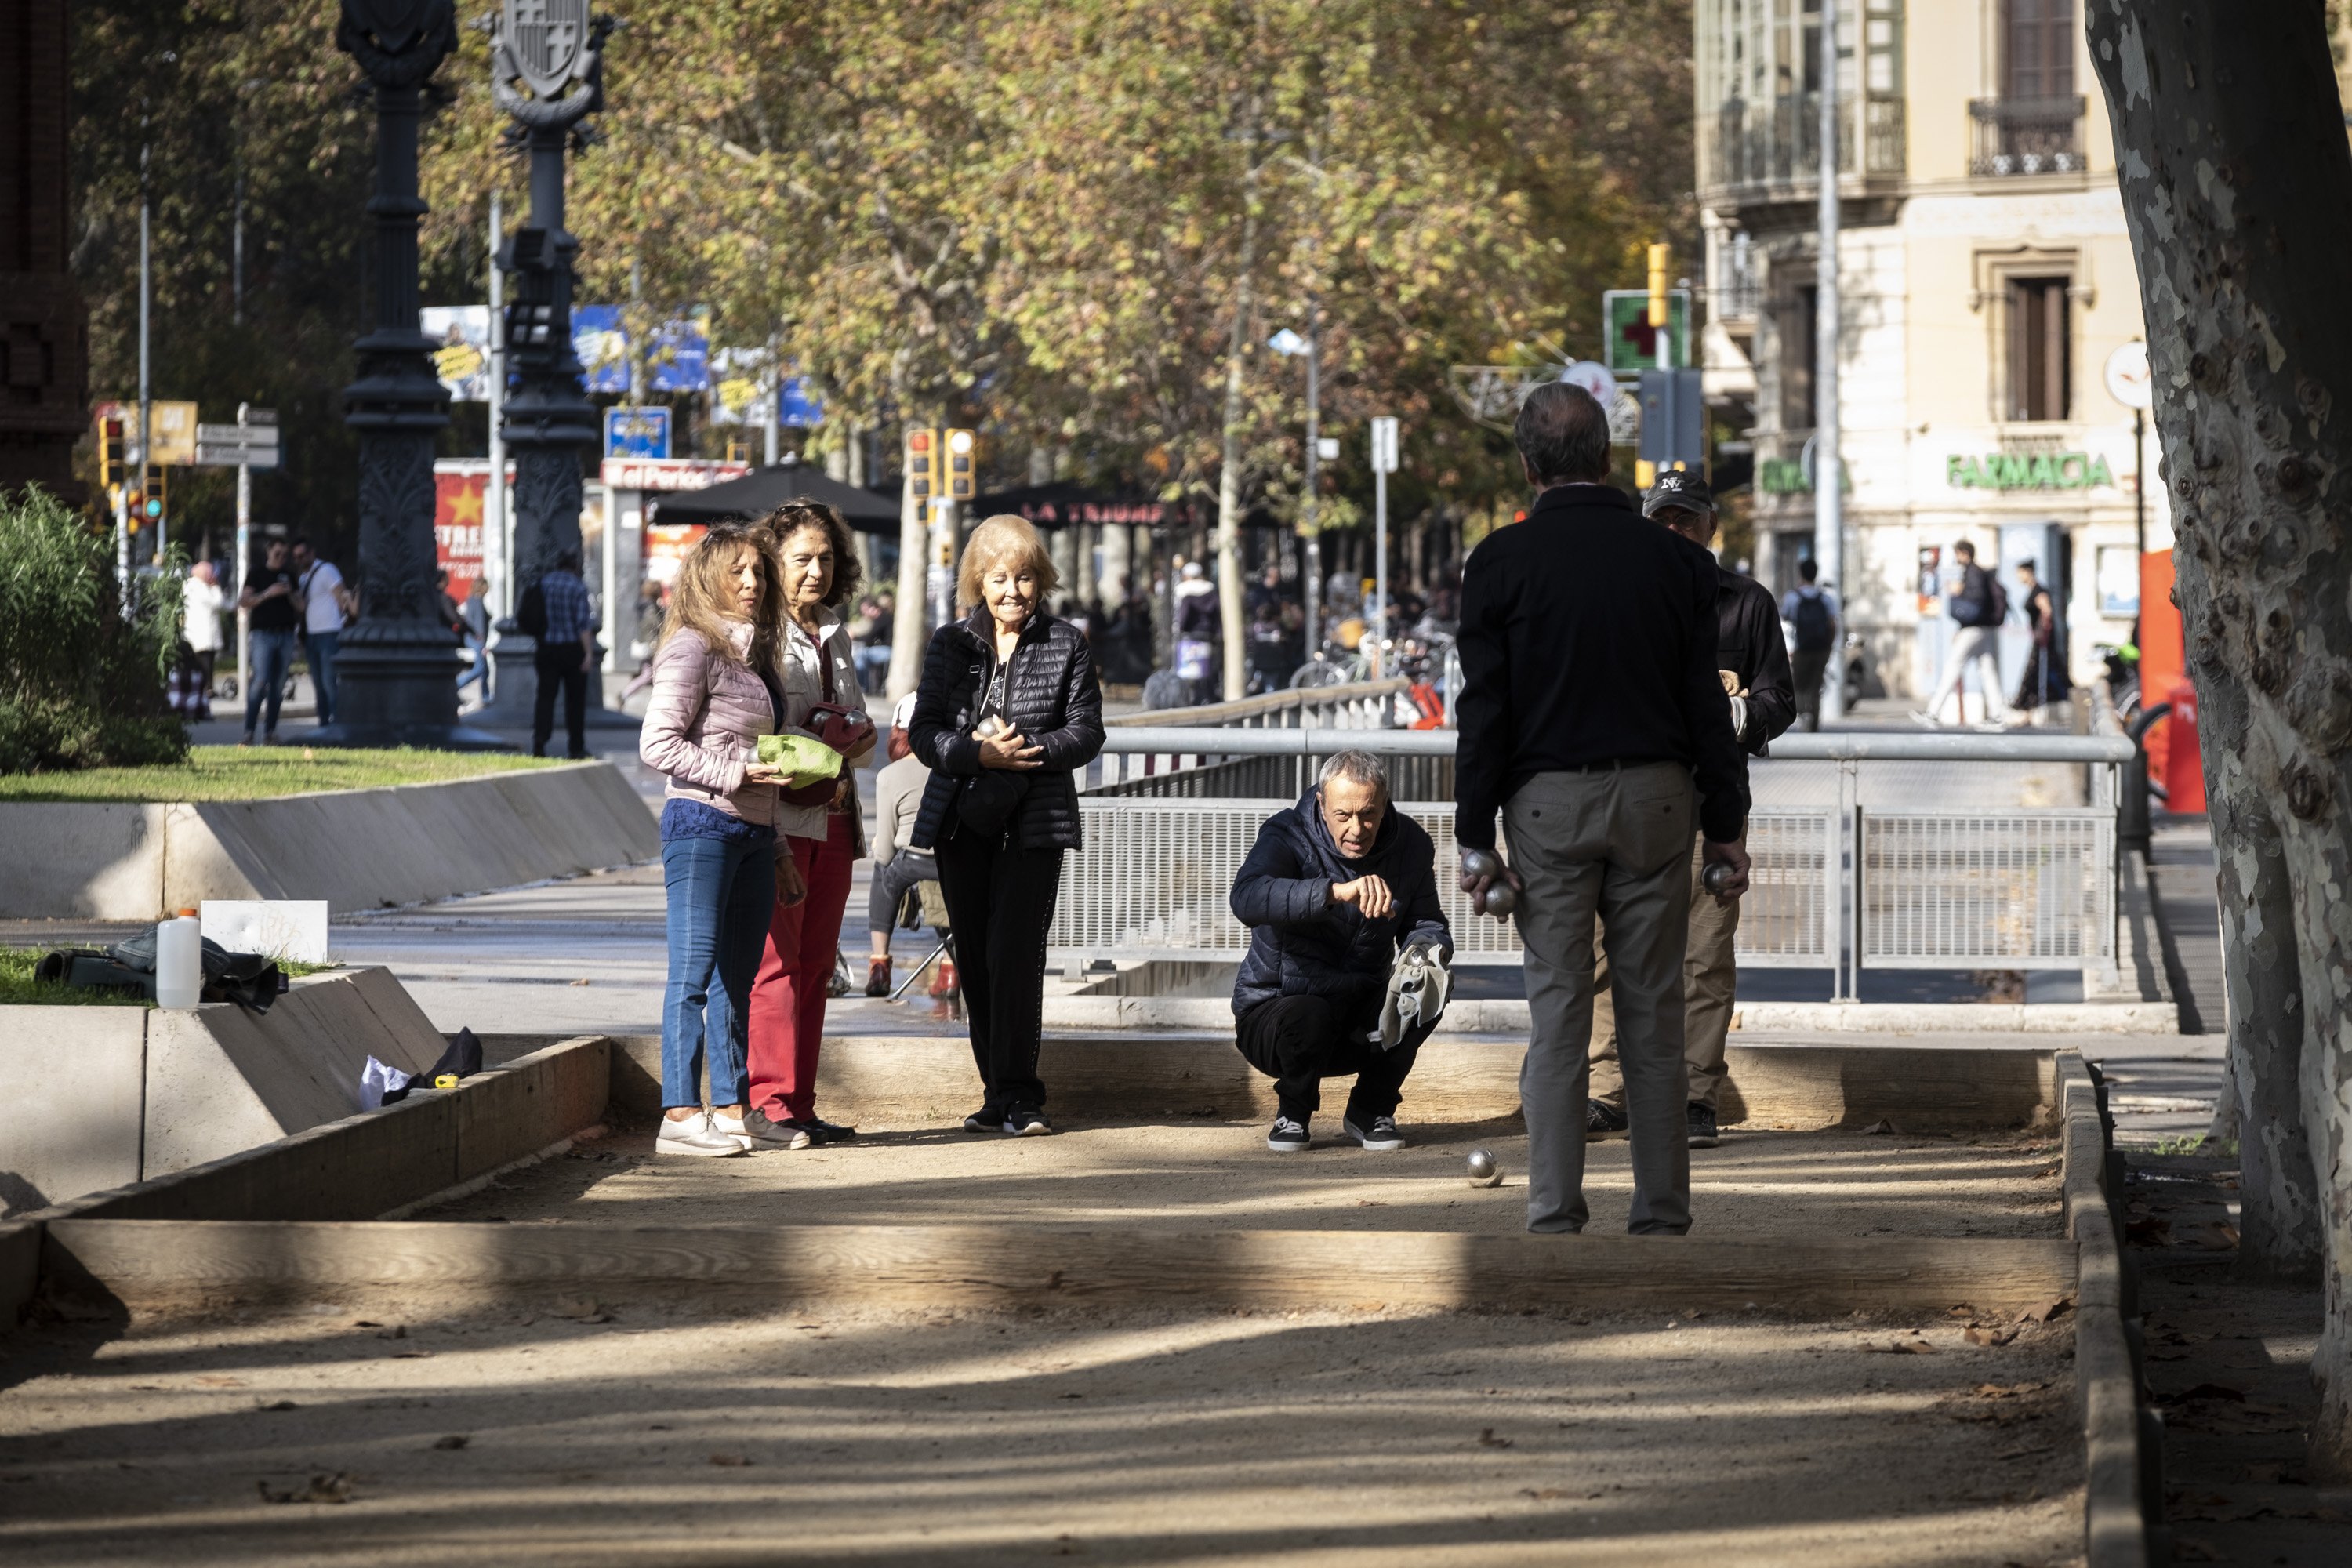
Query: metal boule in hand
column 1485, row 1171
column 1500, row 898
column 1716, row 876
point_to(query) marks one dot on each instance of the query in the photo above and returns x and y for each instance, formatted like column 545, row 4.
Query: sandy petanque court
column 1309, row 1405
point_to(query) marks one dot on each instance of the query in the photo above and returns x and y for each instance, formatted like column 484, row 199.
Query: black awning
column 1060, row 505
column 762, row 491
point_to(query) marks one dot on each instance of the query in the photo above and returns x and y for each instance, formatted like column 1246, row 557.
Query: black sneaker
column 1702, row 1126
column 1601, row 1119
column 987, row 1119
column 1380, row 1133
column 766, row 1134
column 1023, row 1122
column 820, row 1130
column 1288, row 1136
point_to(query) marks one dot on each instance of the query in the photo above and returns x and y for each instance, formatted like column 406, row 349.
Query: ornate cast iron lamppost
column 398, row 664
column 546, row 72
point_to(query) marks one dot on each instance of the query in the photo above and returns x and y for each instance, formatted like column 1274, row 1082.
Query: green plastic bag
column 810, row 761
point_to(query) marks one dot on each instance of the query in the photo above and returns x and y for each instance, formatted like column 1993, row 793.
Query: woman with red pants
column 818, row 563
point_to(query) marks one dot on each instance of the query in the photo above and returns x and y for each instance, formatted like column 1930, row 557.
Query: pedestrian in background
column 201, row 604
column 1814, row 621
column 897, row 864
column 716, row 692
column 818, row 568
column 474, row 631
column 1199, row 634
column 2045, row 680
column 327, row 607
column 1590, row 700
column 566, row 653
column 271, row 601
column 1008, row 709
column 1978, row 610
column 1752, row 662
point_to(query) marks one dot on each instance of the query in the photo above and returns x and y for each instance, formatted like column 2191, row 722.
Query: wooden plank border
column 177, row 1265
column 2122, row 1502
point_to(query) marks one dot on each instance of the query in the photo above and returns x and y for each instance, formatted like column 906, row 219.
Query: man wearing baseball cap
column 898, row 797
column 1752, row 662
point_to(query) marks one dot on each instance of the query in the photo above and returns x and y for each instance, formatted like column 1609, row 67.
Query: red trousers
column 795, row 970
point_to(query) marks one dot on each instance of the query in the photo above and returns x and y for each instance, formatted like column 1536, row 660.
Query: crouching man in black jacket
column 1333, row 889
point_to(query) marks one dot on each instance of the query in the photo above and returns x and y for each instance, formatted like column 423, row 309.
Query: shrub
column 81, row 682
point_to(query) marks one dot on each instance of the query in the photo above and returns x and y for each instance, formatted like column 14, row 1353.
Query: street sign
column 2129, row 381
column 636, row 432
column 1629, row 342
column 236, row 454
column 174, row 435
column 668, row 474
column 1673, row 419
column 1384, row 446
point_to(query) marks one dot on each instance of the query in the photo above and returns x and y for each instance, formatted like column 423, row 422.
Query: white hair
column 1357, row 767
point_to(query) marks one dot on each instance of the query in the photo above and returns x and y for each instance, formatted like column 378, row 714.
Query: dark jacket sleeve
column 1482, row 715
column 1420, row 917
column 1080, row 737
column 1771, row 689
column 1722, row 771
column 933, row 732
column 1269, row 891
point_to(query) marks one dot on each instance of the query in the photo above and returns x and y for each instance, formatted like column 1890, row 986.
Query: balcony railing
column 1779, row 142
column 2027, row 136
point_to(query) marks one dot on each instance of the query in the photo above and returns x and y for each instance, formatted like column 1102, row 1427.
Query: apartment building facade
column 1985, row 283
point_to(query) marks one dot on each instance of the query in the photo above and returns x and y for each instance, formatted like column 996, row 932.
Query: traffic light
column 961, row 448
column 113, row 451
column 1657, row 285
column 145, row 505
column 923, row 463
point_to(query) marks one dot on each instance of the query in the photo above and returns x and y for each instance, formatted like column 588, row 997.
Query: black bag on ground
column 463, row 1057
column 247, row 979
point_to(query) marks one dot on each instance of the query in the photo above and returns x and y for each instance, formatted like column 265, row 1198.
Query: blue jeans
column 478, row 662
column 272, row 652
column 322, row 671
column 721, row 894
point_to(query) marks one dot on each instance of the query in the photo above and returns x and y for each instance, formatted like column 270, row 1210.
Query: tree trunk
column 2236, row 179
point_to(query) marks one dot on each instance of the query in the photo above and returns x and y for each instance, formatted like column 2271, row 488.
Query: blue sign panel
column 677, row 358
column 636, row 432
column 798, row 402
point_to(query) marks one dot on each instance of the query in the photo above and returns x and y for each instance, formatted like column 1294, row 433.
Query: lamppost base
column 424, row 737
column 397, row 690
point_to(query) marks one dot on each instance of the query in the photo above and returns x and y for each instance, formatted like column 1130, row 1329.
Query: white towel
column 1419, row 988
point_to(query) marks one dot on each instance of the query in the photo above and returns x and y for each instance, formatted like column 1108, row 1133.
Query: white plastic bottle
column 179, row 963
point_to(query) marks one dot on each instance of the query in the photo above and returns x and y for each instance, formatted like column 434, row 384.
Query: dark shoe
column 1601, row 1119
column 1288, row 1136
column 1702, row 1126
column 877, row 977
column 1378, row 1134
column 820, row 1130
column 1023, row 1122
column 987, row 1119
column 767, row 1134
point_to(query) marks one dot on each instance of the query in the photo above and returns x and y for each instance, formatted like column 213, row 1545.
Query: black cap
column 1682, row 488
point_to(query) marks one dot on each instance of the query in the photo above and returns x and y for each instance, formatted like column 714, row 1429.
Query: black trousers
column 1000, row 900
column 566, row 667
column 1299, row 1041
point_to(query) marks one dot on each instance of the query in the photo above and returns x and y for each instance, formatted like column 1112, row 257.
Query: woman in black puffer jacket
column 1009, row 708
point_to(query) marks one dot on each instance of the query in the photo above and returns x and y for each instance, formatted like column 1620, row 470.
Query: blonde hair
column 703, row 598
column 1003, row 539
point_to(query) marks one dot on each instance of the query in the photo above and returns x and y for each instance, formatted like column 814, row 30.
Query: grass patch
column 262, row 773
column 19, row 989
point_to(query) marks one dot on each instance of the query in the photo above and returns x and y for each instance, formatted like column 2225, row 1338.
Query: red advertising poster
column 666, row 545
column 458, row 528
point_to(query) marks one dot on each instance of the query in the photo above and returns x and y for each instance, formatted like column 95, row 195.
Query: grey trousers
column 1615, row 844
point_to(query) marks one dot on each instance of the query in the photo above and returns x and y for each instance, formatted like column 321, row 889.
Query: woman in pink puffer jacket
column 715, row 693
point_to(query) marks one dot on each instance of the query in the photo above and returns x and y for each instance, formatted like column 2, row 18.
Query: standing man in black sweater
column 1590, row 707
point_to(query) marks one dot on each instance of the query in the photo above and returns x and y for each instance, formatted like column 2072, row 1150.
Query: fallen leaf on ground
column 1878, row 1128
column 1903, row 1347
column 580, row 983
column 1989, row 1336
column 581, row 1308
column 1542, row 1494
column 218, row 1381
column 335, row 1487
column 732, row 1462
column 2008, row 1390
column 1487, row 1440
column 454, row 1440
column 2148, row 1232
column 412, row 1355
column 2044, row 1311
column 277, row 1404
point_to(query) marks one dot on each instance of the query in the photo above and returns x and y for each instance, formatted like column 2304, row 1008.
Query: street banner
column 460, row 489
column 461, row 349
column 678, row 355
column 736, row 377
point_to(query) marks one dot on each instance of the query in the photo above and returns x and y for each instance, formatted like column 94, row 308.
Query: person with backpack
column 1978, row 609
column 1814, row 621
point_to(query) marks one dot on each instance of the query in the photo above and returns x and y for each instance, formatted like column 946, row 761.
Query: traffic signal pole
column 146, row 401
column 1828, row 472
column 236, row 585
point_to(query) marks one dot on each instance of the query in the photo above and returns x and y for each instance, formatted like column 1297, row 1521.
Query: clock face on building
column 2130, row 381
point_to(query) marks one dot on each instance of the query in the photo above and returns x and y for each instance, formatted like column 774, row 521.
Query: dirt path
column 1141, row 1438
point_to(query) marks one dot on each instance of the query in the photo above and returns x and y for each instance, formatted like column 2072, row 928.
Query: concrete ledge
column 918, row 1079
column 153, row 1268
column 1510, row 1018
column 2123, row 1507
column 358, row 849
column 20, row 1268
column 378, row 1161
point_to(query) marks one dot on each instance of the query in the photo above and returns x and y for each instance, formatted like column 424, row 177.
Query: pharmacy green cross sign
column 1631, row 343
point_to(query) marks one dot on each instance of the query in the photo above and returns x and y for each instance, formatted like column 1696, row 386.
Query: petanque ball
column 1716, row 876
column 1485, row 1171
column 1500, row 901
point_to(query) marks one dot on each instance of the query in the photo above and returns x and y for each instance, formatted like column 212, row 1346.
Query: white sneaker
column 732, row 1127
column 694, row 1135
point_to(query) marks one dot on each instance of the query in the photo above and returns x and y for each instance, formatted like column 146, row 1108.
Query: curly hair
column 801, row 512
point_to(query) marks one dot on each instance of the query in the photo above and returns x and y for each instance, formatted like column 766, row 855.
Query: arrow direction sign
column 236, row 445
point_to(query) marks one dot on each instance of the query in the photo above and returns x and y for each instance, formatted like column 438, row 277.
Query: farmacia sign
column 2028, row 471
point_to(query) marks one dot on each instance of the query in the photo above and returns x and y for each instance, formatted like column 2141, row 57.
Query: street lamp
column 397, row 665
column 547, row 74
